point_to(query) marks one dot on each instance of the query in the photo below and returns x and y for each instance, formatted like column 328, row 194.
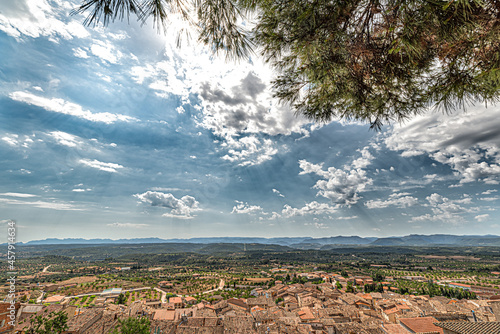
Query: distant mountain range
column 299, row 242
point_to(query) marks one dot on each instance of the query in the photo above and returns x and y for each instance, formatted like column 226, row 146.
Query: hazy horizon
column 116, row 133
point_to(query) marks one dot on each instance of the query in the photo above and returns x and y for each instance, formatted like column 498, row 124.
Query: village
column 285, row 302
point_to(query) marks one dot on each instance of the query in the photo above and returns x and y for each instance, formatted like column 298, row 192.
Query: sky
column 115, row 132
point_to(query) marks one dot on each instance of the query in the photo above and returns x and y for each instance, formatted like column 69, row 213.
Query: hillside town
column 336, row 305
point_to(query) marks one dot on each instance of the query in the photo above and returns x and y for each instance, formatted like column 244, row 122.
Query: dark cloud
column 252, row 85
column 216, row 95
column 487, row 134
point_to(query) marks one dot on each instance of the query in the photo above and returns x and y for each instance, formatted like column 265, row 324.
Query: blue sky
column 116, row 133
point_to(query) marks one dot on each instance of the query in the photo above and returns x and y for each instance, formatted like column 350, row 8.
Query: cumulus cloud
column 401, row 200
column 242, row 207
column 104, row 166
column 235, row 103
column 249, row 150
column 468, row 142
column 312, row 208
column 68, row 108
column 445, row 209
column 340, row 186
column 365, row 159
column 179, row 208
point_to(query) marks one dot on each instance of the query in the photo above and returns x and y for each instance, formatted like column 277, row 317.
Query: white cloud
column 446, row 210
column 104, row 166
column 65, row 139
column 106, row 51
column 365, row 159
column 167, row 189
column 241, row 207
column 11, row 140
column 18, row 195
column 36, row 18
column 42, row 204
column 489, row 199
column 341, row 186
column 482, row 218
column 317, row 225
column 235, row 103
column 249, row 150
column 278, row 193
column 127, row 225
column 179, row 208
column 468, row 142
column 346, row 218
column 80, row 53
column 400, row 200
column 68, row 108
column 489, row 192
column 18, row 141
column 312, row 208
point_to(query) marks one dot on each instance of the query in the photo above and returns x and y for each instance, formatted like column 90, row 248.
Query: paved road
column 163, row 295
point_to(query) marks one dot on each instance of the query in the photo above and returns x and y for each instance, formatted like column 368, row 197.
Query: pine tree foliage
column 367, row 60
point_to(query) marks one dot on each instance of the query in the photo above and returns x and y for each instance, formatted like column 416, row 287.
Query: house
column 421, row 325
column 164, row 314
column 305, row 314
column 176, row 301
column 393, row 329
column 390, row 314
column 81, row 322
column 190, row 300
column 237, row 304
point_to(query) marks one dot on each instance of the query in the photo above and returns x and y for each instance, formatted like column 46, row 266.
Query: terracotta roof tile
column 462, row 327
column 421, row 325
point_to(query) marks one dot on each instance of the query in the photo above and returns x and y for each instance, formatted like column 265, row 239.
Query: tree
column 53, row 323
column 368, row 60
column 349, row 287
column 122, row 299
column 133, row 326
